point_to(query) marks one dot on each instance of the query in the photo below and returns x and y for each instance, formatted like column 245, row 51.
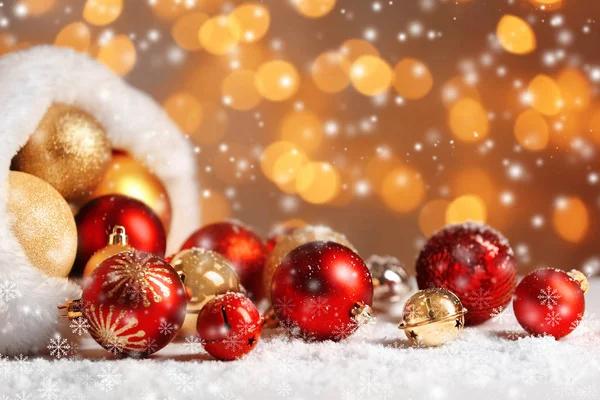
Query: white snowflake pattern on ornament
column 59, row 347
column 480, row 298
column 553, row 318
column 500, row 315
column 319, row 306
column 549, row 297
column 412, row 311
column 165, row 328
column 49, row 389
column 194, row 344
column 109, row 377
column 233, row 342
column 79, row 326
column 23, row 396
column 8, row 291
column 344, row 330
column 284, row 305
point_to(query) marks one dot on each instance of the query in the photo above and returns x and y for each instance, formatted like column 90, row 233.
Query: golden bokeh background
column 383, row 119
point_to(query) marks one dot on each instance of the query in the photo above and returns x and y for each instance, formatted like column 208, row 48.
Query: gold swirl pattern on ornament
column 111, row 331
column 136, row 279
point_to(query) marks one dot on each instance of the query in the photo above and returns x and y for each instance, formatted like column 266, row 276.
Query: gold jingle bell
column 206, row 274
column 432, row 317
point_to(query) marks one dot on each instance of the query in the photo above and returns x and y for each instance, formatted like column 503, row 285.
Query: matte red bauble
column 241, row 246
column 229, row 326
column 474, row 262
column 96, row 220
column 322, row 291
column 134, row 303
column 549, row 302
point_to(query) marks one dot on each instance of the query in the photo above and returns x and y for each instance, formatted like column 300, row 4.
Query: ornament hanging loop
column 581, row 279
column 73, row 308
column 118, row 236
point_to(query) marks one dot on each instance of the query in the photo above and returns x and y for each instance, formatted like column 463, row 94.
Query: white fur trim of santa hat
column 31, row 81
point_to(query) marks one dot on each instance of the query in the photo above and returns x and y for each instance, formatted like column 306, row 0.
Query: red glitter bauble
column 241, row 246
column 229, row 326
column 320, row 290
column 549, row 302
column 96, row 220
column 134, row 303
column 474, row 262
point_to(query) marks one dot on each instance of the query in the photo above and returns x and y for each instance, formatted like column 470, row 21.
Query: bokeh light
column 466, row 208
column 251, row 21
column 412, row 78
column 186, row 30
column 214, row 124
column 432, row 216
column 76, row 35
column 403, row 189
column 37, row 8
column 328, row 72
column 318, row 182
column 515, row 35
column 574, row 88
column 304, row 128
column 458, row 88
column 570, row 219
column 272, row 153
column 219, row 35
column 353, row 49
column 531, row 130
column 214, row 206
column 313, row 8
column 370, row 75
column 545, row 95
column 102, row 12
column 118, row 54
column 185, row 110
column 286, row 168
column 239, row 92
column 468, row 120
column 277, row 80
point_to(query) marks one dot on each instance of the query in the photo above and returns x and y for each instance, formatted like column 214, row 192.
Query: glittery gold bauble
column 42, row 223
column 129, row 177
column 432, row 317
column 69, row 150
column 297, row 238
column 117, row 243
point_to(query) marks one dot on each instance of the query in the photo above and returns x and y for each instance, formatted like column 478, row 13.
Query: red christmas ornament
column 549, row 302
column 229, row 326
column 474, row 262
column 322, row 291
column 241, row 246
column 134, row 303
column 96, row 220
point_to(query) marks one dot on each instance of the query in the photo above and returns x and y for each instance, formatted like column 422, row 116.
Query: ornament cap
column 362, row 314
column 581, row 279
column 118, row 236
column 73, row 308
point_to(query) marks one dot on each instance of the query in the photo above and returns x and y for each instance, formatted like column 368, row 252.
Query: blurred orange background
column 382, row 119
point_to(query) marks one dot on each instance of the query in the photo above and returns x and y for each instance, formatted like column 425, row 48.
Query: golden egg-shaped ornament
column 128, row 176
column 117, row 243
column 42, row 222
column 297, row 238
column 69, row 150
column 432, row 317
column 206, row 274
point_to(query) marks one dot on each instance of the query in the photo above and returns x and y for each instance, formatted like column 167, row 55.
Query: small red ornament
column 229, row 326
column 97, row 218
column 549, row 302
column 134, row 303
column 241, row 246
column 474, row 262
column 322, row 291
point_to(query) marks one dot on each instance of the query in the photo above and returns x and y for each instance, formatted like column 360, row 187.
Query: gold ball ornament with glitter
column 433, row 317
column 130, row 177
column 69, row 150
column 43, row 224
column 206, row 274
column 117, row 243
column 297, row 238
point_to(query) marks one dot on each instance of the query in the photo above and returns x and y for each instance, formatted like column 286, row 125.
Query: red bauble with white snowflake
column 322, row 291
column 474, row 262
column 241, row 246
column 229, row 326
column 549, row 302
column 134, row 303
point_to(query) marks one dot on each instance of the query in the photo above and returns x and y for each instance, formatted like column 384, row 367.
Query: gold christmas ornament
column 297, row 238
column 117, row 243
column 43, row 224
column 206, row 274
column 130, row 177
column 390, row 281
column 432, row 317
column 69, row 150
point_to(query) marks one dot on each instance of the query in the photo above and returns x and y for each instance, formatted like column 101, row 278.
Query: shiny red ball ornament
column 474, row 262
column 322, row 291
column 549, row 302
column 134, row 303
column 229, row 326
column 96, row 219
column 241, row 246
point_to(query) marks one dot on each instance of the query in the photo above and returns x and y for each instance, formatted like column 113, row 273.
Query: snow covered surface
column 493, row 361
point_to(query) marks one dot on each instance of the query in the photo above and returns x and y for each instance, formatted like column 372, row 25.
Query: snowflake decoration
column 184, row 383
column 165, row 328
column 500, row 315
column 23, row 396
column 233, row 342
column 85, row 379
column 49, row 389
column 412, row 312
column 319, row 306
column 194, row 344
column 59, row 347
column 22, row 365
column 4, row 366
column 79, row 326
column 480, row 298
column 513, row 334
column 553, row 318
column 109, row 378
column 283, row 389
column 344, row 330
column 8, row 291
column 549, row 297
column 284, row 305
